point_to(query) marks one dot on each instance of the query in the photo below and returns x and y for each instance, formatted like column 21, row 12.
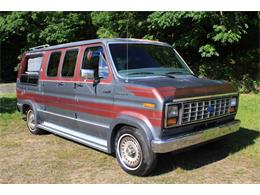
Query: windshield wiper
column 165, row 75
column 181, row 73
column 174, row 72
column 135, row 73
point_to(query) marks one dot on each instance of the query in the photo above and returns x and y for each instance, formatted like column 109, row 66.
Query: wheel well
column 113, row 136
column 25, row 108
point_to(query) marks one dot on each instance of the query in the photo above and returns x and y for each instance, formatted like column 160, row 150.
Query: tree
column 220, row 45
column 120, row 24
column 21, row 30
column 216, row 44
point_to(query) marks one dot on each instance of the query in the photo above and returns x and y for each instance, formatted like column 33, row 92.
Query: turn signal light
column 149, row 105
column 232, row 109
column 171, row 121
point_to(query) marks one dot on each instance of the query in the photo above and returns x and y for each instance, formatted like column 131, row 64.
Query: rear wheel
column 31, row 122
column 133, row 152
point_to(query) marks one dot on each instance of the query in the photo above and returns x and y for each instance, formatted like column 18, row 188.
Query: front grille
column 205, row 109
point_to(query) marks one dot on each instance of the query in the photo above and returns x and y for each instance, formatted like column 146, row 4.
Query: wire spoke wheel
column 129, row 151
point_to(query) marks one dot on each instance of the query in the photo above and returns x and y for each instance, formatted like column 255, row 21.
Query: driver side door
column 95, row 103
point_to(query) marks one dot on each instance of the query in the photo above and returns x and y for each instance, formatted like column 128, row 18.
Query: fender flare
column 33, row 106
column 131, row 119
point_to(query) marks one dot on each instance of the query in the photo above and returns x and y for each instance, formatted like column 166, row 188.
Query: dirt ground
column 7, row 88
column 26, row 158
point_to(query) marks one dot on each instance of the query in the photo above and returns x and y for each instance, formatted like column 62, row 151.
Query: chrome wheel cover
column 31, row 120
column 129, row 151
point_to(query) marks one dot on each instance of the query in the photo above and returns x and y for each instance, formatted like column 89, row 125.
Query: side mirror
column 87, row 73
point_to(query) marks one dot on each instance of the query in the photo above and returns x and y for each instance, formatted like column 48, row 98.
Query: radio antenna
column 127, row 49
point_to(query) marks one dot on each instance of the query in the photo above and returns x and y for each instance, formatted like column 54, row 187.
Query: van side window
column 69, row 63
column 91, row 61
column 30, row 75
column 53, row 64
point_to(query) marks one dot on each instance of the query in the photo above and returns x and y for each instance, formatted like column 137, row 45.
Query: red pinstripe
column 162, row 92
column 101, row 109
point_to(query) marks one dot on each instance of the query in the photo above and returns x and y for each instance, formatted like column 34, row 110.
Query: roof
column 105, row 41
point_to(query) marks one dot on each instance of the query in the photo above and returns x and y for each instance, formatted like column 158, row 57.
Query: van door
column 95, row 103
column 50, row 87
column 49, row 82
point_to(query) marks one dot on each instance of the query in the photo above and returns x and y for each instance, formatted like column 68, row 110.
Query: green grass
column 249, row 114
column 25, row 158
column 8, row 111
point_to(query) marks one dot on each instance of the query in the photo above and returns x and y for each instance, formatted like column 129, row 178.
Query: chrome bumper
column 186, row 140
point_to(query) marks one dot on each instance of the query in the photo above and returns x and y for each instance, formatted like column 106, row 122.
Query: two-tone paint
column 71, row 107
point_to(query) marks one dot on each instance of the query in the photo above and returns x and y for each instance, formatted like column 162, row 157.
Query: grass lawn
column 25, row 158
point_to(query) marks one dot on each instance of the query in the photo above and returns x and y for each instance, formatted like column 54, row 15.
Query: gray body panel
column 78, row 111
column 97, row 125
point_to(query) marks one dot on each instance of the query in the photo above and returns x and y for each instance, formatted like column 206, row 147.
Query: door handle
column 106, row 91
column 60, row 83
column 79, row 85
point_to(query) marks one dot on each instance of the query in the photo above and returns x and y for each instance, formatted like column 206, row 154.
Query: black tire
column 31, row 122
column 133, row 152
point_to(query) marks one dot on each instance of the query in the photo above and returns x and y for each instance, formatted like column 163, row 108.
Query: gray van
column 128, row 97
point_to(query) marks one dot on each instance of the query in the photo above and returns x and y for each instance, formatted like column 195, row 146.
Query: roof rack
column 39, row 47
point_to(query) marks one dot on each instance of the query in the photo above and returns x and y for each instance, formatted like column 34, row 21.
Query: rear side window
column 30, row 74
column 53, row 65
column 34, row 64
column 69, row 63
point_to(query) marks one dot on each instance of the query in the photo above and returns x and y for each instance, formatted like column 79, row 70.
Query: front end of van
column 193, row 110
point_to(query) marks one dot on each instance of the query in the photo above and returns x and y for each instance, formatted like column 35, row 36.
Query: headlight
column 172, row 115
column 233, row 105
column 233, row 102
column 172, row 111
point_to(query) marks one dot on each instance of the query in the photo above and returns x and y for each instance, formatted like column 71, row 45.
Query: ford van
column 128, row 97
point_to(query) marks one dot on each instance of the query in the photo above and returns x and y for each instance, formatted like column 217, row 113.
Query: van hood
column 182, row 86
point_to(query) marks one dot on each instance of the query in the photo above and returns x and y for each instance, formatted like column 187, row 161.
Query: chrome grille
column 205, row 109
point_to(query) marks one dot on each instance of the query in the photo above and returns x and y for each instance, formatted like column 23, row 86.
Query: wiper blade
column 175, row 72
column 165, row 75
column 181, row 73
column 135, row 73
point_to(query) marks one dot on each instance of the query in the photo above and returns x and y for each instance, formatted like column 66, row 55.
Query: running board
column 75, row 136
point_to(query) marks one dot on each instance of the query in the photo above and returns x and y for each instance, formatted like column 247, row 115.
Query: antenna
column 127, row 49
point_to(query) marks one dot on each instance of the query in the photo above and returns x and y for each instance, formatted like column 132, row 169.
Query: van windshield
column 142, row 60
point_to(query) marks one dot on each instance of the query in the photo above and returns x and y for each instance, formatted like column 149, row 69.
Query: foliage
column 208, row 51
column 219, row 45
column 120, row 24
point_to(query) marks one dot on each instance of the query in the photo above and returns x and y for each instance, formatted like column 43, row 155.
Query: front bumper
column 190, row 139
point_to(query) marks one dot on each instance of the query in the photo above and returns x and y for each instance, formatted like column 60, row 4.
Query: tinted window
column 69, row 63
column 90, row 61
column 53, row 65
column 134, row 59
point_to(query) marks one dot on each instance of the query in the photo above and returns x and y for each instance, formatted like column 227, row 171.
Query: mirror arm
column 96, row 81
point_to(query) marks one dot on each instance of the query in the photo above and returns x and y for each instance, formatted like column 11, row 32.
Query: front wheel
column 133, row 152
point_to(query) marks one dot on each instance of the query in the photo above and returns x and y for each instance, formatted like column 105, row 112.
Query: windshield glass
column 139, row 60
